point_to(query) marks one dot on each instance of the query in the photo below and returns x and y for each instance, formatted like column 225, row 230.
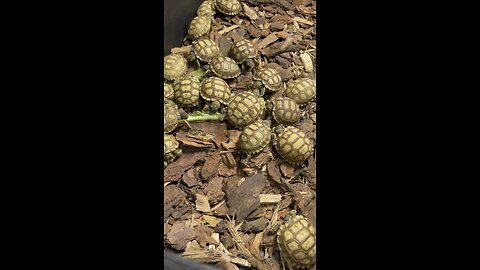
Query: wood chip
column 202, row 204
column 228, row 29
column 249, row 12
column 307, row 62
column 270, row 198
column 266, row 41
column 304, row 21
column 211, row 221
column 182, row 50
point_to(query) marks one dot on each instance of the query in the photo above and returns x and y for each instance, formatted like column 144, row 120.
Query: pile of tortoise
column 261, row 117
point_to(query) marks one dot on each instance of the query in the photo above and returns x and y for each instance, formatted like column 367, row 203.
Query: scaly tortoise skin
column 187, row 92
column 171, row 149
column 301, row 90
column 228, row 7
column 224, row 67
column 285, row 111
column 294, row 146
column 199, row 26
column 243, row 109
column 167, row 91
column 215, row 89
column 205, row 49
column 171, row 117
column 175, row 66
column 297, row 241
column 269, row 78
column 206, row 8
column 242, row 50
column 254, row 138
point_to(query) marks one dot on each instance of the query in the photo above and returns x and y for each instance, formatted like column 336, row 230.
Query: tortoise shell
column 269, row 78
column 199, row 26
column 225, row 67
column 214, row 88
column 297, row 242
column 286, row 111
column 187, row 92
column 167, row 91
column 206, row 8
column 301, row 90
column 171, row 117
column 242, row 50
column 254, row 138
column 294, row 146
column 175, row 66
column 170, row 143
column 243, row 109
column 228, row 7
column 205, row 49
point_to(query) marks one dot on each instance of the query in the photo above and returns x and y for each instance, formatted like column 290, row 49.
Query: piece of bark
column 189, row 178
column 256, row 225
column 175, row 170
column 173, row 196
column 210, row 168
column 244, row 199
column 204, row 235
column 213, row 190
column 179, row 235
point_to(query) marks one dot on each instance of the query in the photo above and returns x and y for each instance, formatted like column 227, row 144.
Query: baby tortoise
column 224, row 67
column 206, row 8
column 172, row 116
column 167, row 91
column 266, row 79
column 204, row 50
column 243, row 52
column 284, row 110
column 175, row 66
column 199, row 26
column 301, row 90
column 216, row 92
column 228, row 7
column 243, row 109
column 254, row 138
column 187, row 92
column 293, row 145
column 171, row 149
column 297, row 241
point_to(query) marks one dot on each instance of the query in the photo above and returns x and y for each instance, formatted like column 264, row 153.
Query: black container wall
column 177, row 17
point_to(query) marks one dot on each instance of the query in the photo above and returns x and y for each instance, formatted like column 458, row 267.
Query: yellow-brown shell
column 294, row 146
column 174, row 66
column 225, row 67
column 170, row 143
column 242, row 50
column 187, row 92
column 228, row 7
column 167, row 91
column 297, row 242
column 286, row 111
column 254, row 138
column 206, row 8
column 301, row 90
column 269, row 78
column 199, row 26
column 171, row 117
column 214, row 88
column 205, row 49
column 243, row 109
